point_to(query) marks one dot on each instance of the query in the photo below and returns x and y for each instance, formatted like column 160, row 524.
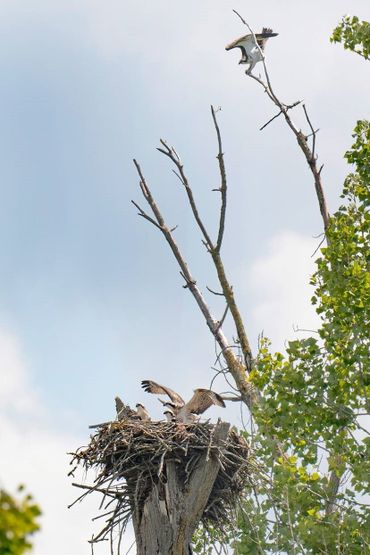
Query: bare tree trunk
column 166, row 522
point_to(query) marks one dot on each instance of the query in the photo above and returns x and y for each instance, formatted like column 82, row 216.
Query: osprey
column 251, row 53
column 124, row 412
column 169, row 415
column 184, row 412
column 142, row 412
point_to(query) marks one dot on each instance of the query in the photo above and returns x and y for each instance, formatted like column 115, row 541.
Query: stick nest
column 130, row 457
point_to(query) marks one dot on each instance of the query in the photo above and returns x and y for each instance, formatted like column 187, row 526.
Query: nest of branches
column 131, row 457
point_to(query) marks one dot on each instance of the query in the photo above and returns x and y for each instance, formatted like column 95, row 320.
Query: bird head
column 267, row 32
column 169, row 405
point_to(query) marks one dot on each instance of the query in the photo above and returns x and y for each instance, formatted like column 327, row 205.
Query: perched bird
column 170, row 417
column 124, row 412
column 251, row 53
column 185, row 412
column 199, row 403
column 142, row 412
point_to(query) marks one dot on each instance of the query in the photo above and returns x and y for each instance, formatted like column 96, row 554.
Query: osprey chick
column 185, row 412
column 169, row 415
column 142, row 412
column 251, row 54
column 124, row 412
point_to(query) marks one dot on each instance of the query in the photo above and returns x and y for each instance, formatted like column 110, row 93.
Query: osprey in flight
column 186, row 413
column 251, row 54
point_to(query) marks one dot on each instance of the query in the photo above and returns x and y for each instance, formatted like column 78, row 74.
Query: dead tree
column 166, row 522
column 167, row 478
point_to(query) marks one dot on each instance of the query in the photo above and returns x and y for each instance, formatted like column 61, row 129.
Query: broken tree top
column 131, row 456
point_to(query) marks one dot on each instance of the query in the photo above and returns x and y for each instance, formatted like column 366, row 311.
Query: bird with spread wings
column 252, row 53
column 189, row 412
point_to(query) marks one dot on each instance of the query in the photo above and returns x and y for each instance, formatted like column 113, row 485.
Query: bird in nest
column 252, row 53
column 124, row 412
column 179, row 411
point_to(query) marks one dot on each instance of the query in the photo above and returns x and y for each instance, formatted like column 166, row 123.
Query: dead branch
column 213, row 249
column 237, row 369
column 223, row 187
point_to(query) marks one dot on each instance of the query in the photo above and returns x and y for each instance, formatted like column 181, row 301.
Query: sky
column 91, row 301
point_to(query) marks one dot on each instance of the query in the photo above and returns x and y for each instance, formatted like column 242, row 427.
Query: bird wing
column 119, row 404
column 153, row 387
column 202, row 400
column 246, row 42
column 247, row 47
column 238, row 43
column 124, row 411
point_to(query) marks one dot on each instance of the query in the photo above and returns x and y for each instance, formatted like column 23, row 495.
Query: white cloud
column 15, row 393
column 279, row 282
column 34, row 454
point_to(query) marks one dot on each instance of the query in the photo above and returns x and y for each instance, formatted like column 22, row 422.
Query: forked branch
column 236, row 368
column 212, row 247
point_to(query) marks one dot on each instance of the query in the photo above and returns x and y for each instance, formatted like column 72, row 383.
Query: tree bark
column 166, row 522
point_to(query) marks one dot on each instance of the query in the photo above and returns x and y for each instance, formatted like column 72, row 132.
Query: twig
column 214, row 292
column 221, row 322
column 223, row 188
column 279, row 113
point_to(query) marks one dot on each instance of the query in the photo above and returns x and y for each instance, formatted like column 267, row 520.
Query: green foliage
column 204, row 540
column 314, row 398
column 18, row 520
column 354, row 34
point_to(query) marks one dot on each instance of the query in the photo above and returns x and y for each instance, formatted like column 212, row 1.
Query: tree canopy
column 18, row 521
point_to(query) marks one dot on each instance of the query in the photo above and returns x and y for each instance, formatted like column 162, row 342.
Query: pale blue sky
column 89, row 290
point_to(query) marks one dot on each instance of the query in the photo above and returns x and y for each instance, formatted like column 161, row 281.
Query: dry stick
column 223, row 187
column 236, row 368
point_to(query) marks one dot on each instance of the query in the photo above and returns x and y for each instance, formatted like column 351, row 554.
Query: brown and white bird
column 186, row 413
column 142, row 412
column 170, row 417
column 124, row 412
column 251, row 53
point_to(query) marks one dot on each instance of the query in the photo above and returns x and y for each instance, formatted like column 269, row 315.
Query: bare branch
column 221, row 322
column 144, row 215
column 279, row 113
column 223, row 188
column 237, row 369
column 175, row 158
column 270, row 120
column 212, row 249
column 214, row 292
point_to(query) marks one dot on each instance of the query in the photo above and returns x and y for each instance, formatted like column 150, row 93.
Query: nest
column 130, row 458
